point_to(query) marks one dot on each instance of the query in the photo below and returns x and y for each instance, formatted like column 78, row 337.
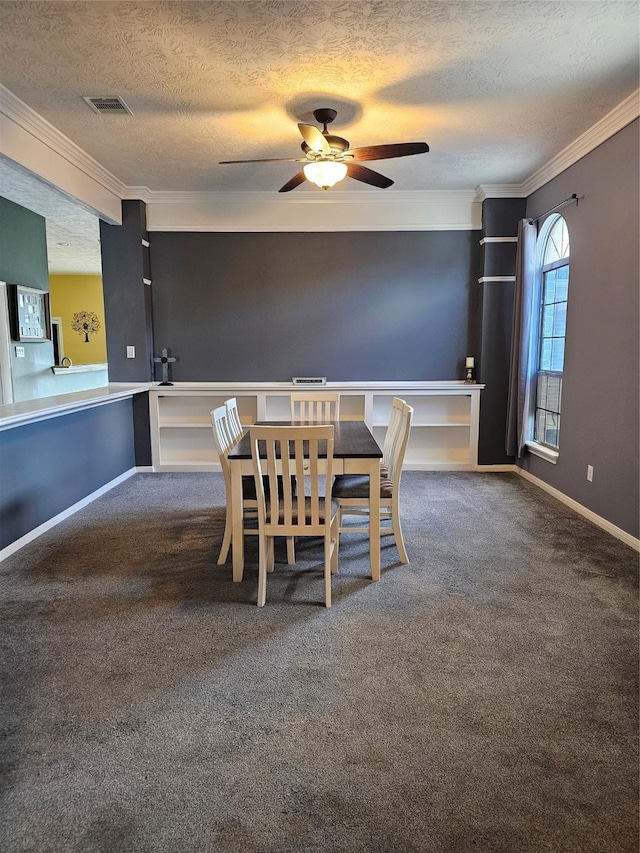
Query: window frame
column 533, row 445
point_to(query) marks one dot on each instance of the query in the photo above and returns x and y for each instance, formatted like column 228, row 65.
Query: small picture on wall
column 29, row 312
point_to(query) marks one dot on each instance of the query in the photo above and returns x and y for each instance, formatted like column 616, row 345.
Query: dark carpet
column 482, row 698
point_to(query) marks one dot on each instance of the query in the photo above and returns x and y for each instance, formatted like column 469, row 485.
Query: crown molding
column 305, row 198
column 32, row 122
column 619, row 117
column 63, row 164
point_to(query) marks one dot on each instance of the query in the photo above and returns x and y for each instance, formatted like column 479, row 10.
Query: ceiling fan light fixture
column 325, row 173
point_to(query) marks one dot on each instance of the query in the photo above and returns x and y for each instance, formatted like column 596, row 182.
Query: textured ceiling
column 496, row 88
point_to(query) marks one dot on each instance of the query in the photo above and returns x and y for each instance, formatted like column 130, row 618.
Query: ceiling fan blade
column 268, row 160
column 295, row 181
column 385, row 152
column 314, row 139
column 368, row 176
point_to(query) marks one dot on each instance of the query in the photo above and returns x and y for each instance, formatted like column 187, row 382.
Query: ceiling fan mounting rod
column 324, row 116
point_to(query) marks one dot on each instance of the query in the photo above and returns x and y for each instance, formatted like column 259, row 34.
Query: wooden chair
column 318, row 407
column 294, row 452
column 352, row 490
column 224, row 440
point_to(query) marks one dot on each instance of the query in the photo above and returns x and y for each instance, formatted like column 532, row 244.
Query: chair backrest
column 319, row 407
column 295, row 452
column 397, row 437
column 223, row 440
column 233, row 419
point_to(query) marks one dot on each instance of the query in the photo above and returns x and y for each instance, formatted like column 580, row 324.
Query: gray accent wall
column 599, row 424
column 127, row 299
column 500, row 217
column 348, row 306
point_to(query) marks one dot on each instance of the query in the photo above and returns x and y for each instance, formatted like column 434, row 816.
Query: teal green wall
column 23, row 246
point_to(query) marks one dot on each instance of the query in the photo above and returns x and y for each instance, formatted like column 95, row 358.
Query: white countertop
column 29, row 411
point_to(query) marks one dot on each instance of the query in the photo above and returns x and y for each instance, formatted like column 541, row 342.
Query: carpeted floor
column 482, row 698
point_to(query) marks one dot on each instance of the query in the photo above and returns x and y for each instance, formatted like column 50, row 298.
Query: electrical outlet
column 590, row 473
column 131, row 352
column 19, row 352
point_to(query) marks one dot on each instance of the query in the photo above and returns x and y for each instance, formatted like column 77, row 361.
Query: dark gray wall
column 599, row 424
column 127, row 299
column 50, row 465
column 500, row 218
column 348, row 306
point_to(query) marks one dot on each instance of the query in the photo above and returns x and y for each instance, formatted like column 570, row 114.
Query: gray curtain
column 522, row 364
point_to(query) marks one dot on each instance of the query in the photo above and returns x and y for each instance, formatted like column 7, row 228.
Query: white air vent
column 107, row 105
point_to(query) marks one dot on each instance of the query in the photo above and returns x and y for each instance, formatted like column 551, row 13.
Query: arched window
column 553, row 291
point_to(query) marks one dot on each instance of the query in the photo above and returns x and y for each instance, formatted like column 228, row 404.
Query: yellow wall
column 70, row 294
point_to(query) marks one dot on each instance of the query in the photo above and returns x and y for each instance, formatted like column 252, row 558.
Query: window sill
column 543, row 452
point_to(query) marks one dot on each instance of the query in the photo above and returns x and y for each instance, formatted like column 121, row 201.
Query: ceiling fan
column 328, row 159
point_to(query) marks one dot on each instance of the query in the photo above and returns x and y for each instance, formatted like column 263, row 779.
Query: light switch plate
column 131, row 352
column 19, row 352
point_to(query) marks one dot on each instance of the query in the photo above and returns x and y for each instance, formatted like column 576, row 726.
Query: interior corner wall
column 600, row 418
column 349, row 306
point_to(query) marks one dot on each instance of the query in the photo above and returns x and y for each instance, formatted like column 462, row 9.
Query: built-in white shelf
column 444, row 434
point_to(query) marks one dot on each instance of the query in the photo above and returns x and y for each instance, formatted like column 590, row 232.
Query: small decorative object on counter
column 469, row 365
column 66, row 362
column 165, row 360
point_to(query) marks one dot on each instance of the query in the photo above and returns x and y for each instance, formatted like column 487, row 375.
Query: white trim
column 619, row 117
column 496, row 278
column 625, row 537
column 542, row 452
column 263, row 212
column 52, row 522
column 598, row 520
column 498, row 240
column 42, row 408
column 36, row 145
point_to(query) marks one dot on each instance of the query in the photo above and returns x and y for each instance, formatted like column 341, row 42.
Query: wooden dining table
column 355, row 451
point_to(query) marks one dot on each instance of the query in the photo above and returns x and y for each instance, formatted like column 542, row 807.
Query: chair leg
column 328, row 559
column 262, row 571
column 335, row 535
column 226, row 541
column 291, row 551
column 271, row 553
column 397, row 532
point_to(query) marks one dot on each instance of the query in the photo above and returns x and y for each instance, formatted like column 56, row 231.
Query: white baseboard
column 47, row 525
column 625, row 537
